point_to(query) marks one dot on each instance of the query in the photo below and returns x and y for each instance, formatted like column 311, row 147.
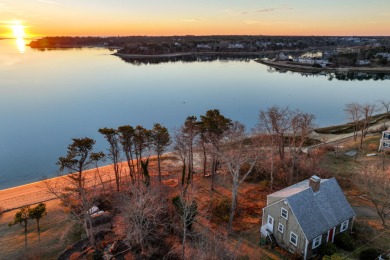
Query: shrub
column 327, row 249
column 1, row 211
column 344, row 241
column 362, row 231
column 370, row 253
column 257, row 173
column 333, row 257
column 221, row 209
column 372, row 147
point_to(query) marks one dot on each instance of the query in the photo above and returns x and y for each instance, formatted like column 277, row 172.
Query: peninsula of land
column 295, row 53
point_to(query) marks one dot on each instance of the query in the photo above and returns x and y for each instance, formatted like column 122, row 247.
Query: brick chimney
column 315, row 183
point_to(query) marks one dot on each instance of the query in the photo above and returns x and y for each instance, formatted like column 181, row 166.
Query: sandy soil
column 32, row 193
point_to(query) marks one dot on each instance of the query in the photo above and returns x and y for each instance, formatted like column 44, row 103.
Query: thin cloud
column 48, row 2
column 273, row 9
column 251, row 22
column 266, row 10
column 190, row 20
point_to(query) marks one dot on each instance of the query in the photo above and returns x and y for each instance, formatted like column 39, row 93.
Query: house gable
column 318, row 212
column 289, row 223
column 313, row 211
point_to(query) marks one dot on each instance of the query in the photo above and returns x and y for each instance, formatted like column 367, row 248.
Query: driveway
column 365, row 212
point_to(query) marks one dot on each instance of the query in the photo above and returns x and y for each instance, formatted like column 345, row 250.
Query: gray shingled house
column 305, row 215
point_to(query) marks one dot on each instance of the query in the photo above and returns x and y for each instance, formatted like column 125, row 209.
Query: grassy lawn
column 54, row 237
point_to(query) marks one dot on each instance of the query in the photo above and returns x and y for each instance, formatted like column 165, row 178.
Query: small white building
column 363, row 62
column 236, row 46
column 203, row 46
column 282, row 56
column 385, row 140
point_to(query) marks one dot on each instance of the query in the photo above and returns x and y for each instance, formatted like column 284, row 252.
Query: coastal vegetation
column 26, row 213
column 205, row 198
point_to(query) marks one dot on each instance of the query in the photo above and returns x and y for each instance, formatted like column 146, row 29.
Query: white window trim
column 281, row 225
column 346, row 225
column 296, row 238
column 281, row 213
column 319, row 239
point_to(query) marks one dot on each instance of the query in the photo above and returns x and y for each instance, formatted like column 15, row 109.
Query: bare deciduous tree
column 238, row 149
column 375, row 184
column 145, row 213
column 302, row 125
column 187, row 209
column 386, row 106
column 354, row 115
column 366, row 111
column 276, row 121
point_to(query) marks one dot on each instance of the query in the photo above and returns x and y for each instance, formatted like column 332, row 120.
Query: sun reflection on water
column 18, row 32
column 21, row 44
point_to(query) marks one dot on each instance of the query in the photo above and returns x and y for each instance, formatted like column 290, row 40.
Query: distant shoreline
column 180, row 54
column 301, row 68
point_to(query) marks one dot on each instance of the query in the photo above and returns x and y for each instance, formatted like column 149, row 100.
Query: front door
column 270, row 224
column 330, row 235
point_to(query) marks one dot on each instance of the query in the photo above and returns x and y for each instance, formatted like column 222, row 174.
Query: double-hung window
column 344, row 226
column 280, row 228
column 317, row 242
column 293, row 238
column 284, row 213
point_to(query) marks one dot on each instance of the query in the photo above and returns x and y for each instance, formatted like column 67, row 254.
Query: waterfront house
column 385, row 140
column 302, row 217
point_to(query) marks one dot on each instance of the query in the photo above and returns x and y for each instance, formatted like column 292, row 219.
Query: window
column 284, row 213
column 293, row 238
column 317, row 242
column 344, row 225
column 280, row 228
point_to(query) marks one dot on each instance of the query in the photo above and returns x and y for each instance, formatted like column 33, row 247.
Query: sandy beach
column 36, row 192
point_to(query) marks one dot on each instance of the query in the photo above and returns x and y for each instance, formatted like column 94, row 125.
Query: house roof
column 317, row 212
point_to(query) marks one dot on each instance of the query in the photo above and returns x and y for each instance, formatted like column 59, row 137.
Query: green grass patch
column 47, row 244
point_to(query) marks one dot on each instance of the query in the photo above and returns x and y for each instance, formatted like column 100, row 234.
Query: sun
column 18, row 29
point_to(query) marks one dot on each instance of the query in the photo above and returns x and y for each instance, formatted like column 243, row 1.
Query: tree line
column 207, row 146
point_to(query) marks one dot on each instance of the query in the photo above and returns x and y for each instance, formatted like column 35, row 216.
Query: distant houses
column 383, row 55
column 385, row 140
column 306, row 215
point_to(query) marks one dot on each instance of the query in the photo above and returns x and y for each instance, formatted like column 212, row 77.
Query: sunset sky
column 200, row 17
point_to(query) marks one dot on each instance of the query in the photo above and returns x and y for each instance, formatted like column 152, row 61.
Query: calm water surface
column 49, row 97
